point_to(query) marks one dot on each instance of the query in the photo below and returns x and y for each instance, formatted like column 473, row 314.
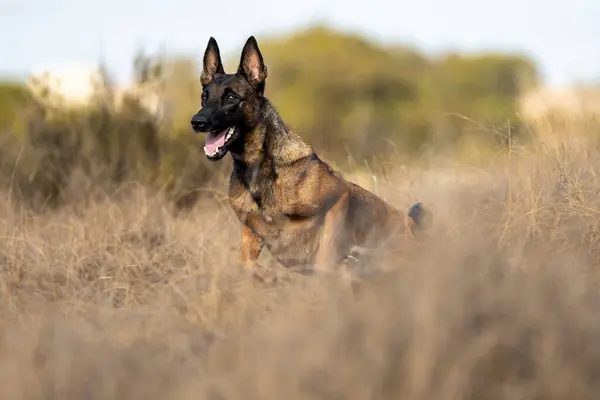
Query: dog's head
column 230, row 102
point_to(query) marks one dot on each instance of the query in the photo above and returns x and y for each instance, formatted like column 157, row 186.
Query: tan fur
column 304, row 212
column 286, row 197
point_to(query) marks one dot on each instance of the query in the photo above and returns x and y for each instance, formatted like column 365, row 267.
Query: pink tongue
column 214, row 140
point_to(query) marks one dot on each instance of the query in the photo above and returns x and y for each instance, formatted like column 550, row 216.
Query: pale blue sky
column 562, row 36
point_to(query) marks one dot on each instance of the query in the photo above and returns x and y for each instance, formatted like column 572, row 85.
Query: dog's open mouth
column 215, row 146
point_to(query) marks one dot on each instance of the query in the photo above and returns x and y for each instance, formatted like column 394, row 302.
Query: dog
column 286, row 198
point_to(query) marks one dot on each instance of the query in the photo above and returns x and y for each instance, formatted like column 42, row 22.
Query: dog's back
column 375, row 224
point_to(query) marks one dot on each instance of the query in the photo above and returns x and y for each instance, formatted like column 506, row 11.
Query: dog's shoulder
column 312, row 171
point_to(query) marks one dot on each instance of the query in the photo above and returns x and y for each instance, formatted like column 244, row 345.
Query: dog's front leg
column 251, row 248
column 327, row 254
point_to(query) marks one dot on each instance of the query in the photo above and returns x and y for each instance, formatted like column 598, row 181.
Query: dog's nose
column 198, row 123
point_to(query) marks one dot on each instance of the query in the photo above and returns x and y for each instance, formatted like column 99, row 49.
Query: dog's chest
column 257, row 205
column 268, row 209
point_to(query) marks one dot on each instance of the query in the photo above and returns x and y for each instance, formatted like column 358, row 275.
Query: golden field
column 119, row 297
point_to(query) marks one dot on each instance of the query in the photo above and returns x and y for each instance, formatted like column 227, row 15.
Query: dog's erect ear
column 252, row 66
column 212, row 62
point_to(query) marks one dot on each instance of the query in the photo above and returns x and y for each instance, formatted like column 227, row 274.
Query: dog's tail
column 418, row 219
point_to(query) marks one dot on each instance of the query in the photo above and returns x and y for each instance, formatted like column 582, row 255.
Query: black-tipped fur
column 285, row 196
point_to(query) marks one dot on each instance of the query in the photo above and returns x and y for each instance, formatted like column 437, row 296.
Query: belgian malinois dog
column 285, row 196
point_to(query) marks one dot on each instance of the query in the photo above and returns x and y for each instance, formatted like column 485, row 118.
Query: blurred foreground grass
column 119, row 298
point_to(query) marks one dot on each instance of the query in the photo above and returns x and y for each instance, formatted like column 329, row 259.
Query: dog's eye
column 230, row 97
column 204, row 98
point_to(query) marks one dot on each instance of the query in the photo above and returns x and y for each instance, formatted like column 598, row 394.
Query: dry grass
column 120, row 299
column 563, row 117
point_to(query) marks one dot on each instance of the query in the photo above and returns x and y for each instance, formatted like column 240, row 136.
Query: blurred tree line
column 352, row 99
column 345, row 94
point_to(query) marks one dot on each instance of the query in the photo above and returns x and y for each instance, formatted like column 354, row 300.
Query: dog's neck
column 270, row 144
